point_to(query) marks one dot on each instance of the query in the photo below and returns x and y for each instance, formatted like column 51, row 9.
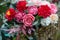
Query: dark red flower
column 44, row 11
column 10, row 14
column 21, row 5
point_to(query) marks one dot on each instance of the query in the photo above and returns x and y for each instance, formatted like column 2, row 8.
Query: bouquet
column 28, row 16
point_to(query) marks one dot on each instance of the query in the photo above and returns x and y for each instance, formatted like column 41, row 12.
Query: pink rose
column 28, row 19
column 53, row 8
column 32, row 10
column 19, row 16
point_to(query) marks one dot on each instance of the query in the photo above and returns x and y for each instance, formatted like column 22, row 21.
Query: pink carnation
column 19, row 16
column 53, row 8
column 32, row 10
column 28, row 19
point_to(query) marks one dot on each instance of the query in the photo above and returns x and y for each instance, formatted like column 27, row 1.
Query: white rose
column 44, row 3
column 45, row 21
column 54, row 18
column 33, row 2
column 14, row 1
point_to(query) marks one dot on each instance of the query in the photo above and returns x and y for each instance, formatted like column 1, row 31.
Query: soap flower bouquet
column 30, row 15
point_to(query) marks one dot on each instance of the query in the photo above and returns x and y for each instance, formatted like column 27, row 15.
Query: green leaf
column 35, row 23
column 3, row 8
column 38, row 17
column 1, row 1
column 1, row 21
column 14, row 38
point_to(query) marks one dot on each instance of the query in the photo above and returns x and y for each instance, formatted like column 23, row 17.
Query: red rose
column 10, row 14
column 44, row 11
column 21, row 5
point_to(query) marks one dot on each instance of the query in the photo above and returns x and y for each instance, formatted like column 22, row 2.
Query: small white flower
column 33, row 2
column 45, row 21
column 44, row 3
column 30, row 3
column 54, row 18
column 14, row 1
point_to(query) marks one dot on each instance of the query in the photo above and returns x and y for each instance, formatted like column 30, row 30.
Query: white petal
column 45, row 22
column 45, row 3
column 14, row 1
column 54, row 18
